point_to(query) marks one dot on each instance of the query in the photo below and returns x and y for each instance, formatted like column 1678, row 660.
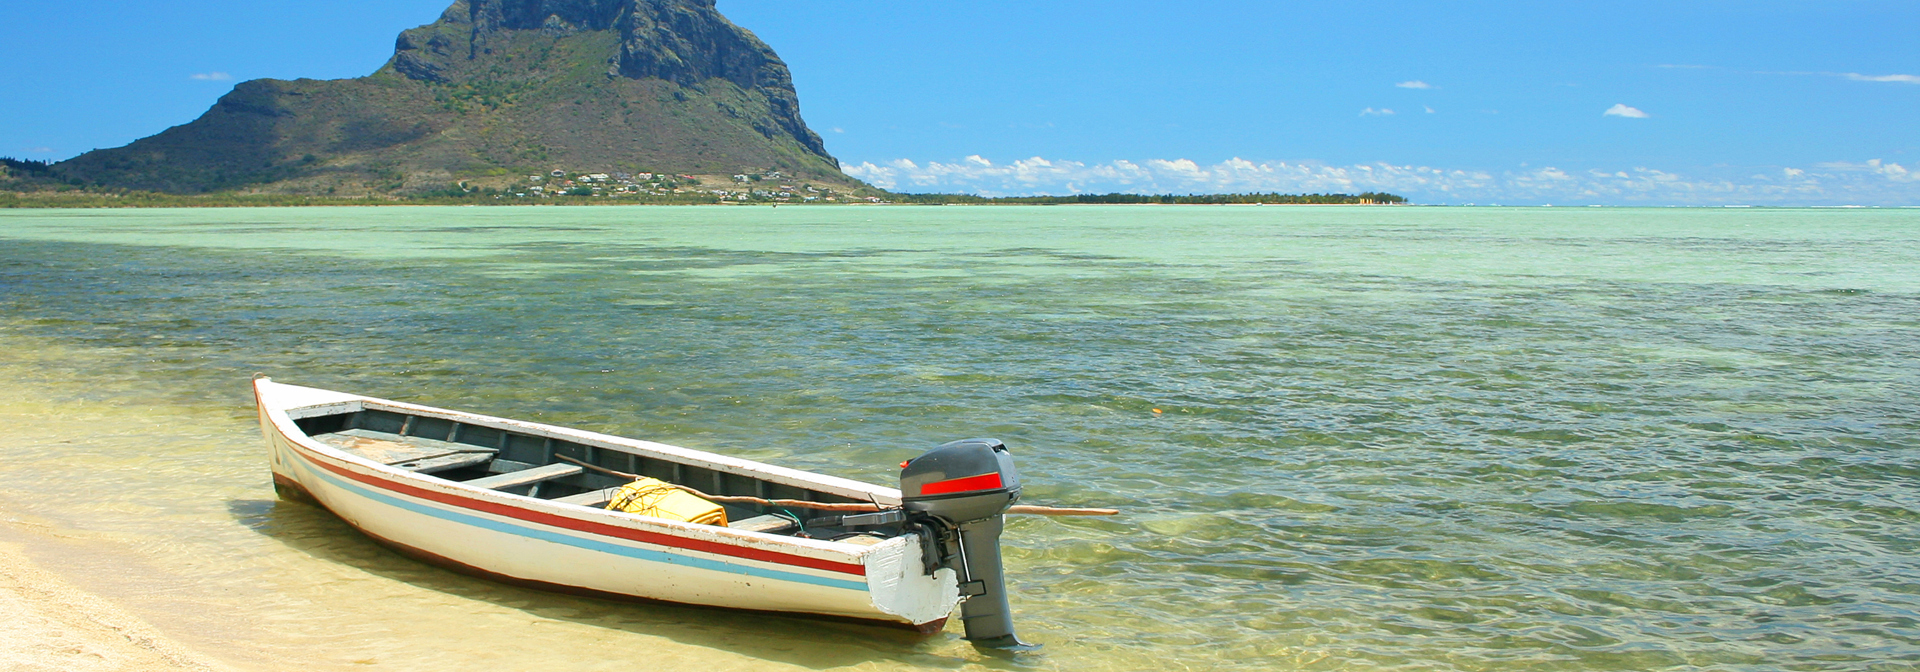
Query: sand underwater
column 1344, row 438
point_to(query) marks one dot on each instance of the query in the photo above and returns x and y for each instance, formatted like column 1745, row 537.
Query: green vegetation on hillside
column 17, row 174
column 147, row 199
column 494, row 91
column 35, row 184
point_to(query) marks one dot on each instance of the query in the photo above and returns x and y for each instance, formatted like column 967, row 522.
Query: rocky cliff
column 494, row 90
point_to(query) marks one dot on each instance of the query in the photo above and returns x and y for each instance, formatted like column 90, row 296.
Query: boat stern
column 900, row 586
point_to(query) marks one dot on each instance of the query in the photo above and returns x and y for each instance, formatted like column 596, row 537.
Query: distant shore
column 94, row 200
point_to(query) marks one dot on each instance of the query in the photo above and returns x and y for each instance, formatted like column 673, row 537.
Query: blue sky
column 1713, row 102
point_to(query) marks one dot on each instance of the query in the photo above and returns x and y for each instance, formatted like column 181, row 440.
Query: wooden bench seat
column 592, row 498
column 770, row 524
column 448, row 462
column 413, row 453
column 513, row 479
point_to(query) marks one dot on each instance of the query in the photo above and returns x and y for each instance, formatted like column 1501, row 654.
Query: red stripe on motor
column 968, row 484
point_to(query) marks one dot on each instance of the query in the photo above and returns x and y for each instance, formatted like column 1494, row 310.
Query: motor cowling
column 957, row 495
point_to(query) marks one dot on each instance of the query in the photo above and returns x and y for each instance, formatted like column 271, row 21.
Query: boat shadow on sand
column 810, row 643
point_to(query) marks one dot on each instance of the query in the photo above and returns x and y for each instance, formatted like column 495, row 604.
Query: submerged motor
column 957, row 495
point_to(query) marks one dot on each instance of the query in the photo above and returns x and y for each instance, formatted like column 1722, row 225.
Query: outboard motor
column 957, row 495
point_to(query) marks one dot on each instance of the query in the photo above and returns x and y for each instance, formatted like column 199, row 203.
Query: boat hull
column 588, row 551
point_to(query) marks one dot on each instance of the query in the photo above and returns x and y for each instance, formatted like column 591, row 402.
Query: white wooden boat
column 495, row 498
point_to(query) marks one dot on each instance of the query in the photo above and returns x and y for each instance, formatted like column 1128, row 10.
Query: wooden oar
column 1037, row 510
column 726, row 499
column 848, row 507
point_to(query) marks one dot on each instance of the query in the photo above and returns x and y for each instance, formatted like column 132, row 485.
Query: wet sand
column 138, row 532
column 49, row 624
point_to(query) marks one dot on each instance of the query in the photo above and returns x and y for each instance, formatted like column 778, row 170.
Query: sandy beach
column 47, row 624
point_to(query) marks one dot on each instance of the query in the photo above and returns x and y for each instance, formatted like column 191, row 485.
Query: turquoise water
column 1344, row 438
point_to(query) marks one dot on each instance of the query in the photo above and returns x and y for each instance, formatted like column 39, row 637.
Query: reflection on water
column 1345, row 438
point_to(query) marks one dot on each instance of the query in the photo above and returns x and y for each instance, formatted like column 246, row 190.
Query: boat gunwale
column 833, row 485
column 818, row 551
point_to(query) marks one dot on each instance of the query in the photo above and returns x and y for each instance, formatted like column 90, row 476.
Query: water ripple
column 1437, row 443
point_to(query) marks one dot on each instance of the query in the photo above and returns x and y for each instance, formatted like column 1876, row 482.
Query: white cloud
column 38, row 150
column 1179, row 167
column 1382, row 112
column 1909, row 79
column 838, row 129
column 1429, row 109
column 1855, row 76
column 1869, row 182
column 1621, row 110
column 212, row 76
column 1414, row 84
column 1891, row 171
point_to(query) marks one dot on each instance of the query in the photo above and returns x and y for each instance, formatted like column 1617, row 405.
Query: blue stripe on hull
column 588, row 544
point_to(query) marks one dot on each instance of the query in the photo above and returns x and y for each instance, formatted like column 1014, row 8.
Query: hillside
column 494, row 91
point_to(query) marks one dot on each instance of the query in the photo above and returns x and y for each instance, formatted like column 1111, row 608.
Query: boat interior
column 532, row 465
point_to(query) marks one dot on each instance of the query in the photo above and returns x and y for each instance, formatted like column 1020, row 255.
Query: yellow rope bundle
column 659, row 499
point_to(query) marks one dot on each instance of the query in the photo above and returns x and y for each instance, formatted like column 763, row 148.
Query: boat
column 527, row 503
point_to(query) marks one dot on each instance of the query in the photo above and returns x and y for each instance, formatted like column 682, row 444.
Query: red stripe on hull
column 589, row 527
column 470, row 570
column 293, row 490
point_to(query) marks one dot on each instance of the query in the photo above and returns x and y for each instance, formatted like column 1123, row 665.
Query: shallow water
column 1345, row 438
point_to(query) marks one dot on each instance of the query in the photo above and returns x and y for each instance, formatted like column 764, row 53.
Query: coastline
column 53, row 626
column 81, row 199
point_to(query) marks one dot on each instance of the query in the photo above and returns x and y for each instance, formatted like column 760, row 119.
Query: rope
column 1020, row 509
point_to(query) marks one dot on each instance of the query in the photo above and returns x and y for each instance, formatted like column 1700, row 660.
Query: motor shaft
column 956, row 494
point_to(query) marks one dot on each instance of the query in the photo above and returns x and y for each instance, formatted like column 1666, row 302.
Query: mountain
column 492, row 92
